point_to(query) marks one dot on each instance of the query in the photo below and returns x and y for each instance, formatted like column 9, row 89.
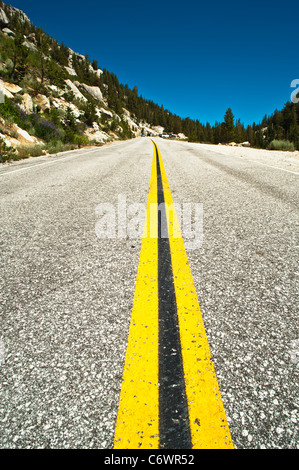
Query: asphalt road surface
column 66, row 294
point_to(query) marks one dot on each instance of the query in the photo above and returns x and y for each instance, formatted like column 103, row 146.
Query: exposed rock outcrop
column 96, row 135
column 60, row 103
column 14, row 89
column 93, row 91
column 8, row 32
column 21, row 15
column 31, row 37
column 106, row 112
column 4, row 22
column 42, row 103
column 30, row 45
column 70, row 71
column 245, row 144
column 27, row 104
column 24, row 134
column 75, row 90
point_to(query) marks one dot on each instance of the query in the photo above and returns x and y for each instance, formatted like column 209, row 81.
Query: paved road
column 66, row 295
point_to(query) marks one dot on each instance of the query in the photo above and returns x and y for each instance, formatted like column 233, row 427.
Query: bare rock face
column 75, row 90
column 27, row 104
column 8, row 32
column 4, row 22
column 245, row 144
column 25, row 136
column 21, row 15
column 70, row 71
column 31, row 37
column 42, row 102
column 30, row 45
column 93, row 91
column 12, row 88
column 96, row 135
column 4, row 91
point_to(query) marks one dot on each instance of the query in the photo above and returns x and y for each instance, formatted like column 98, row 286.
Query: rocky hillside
column 52, row 98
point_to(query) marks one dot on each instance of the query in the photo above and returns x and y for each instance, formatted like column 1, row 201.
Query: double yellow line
column 137, row 425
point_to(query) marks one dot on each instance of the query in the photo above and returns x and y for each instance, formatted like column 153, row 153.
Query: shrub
column 69, row 96
column 281, row 145
column 80, row 140
column 126, row 132
column 6, row 153
column 9, row 64
column 44, row 129
column 90, row 113
column 55, row 116
column 69, row 135
column 55, row 147
column 11, row 112
column 68, row 147
column 31, row 151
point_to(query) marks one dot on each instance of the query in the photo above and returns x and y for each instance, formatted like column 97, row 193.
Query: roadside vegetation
column 6, row 153
column 9, row 153
column 281, row 145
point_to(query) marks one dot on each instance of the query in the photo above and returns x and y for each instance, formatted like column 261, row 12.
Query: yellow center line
column 137, row 425
column 138, row 415
column 208, row 423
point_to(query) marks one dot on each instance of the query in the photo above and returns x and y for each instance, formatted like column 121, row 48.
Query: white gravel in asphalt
column 247, row 287
column 66, row 296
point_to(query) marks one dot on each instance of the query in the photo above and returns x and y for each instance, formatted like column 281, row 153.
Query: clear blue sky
column 196, row 58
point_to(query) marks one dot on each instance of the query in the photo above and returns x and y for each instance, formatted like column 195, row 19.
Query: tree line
column 280, row 126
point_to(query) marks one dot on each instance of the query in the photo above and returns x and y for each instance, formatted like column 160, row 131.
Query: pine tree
column 90, row 114
column 228, row 127
column 240, row 133
column 293, row 134
column 43, row 46
column 19, row 57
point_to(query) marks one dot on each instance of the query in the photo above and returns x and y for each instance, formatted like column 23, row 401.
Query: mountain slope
column 54, row 96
